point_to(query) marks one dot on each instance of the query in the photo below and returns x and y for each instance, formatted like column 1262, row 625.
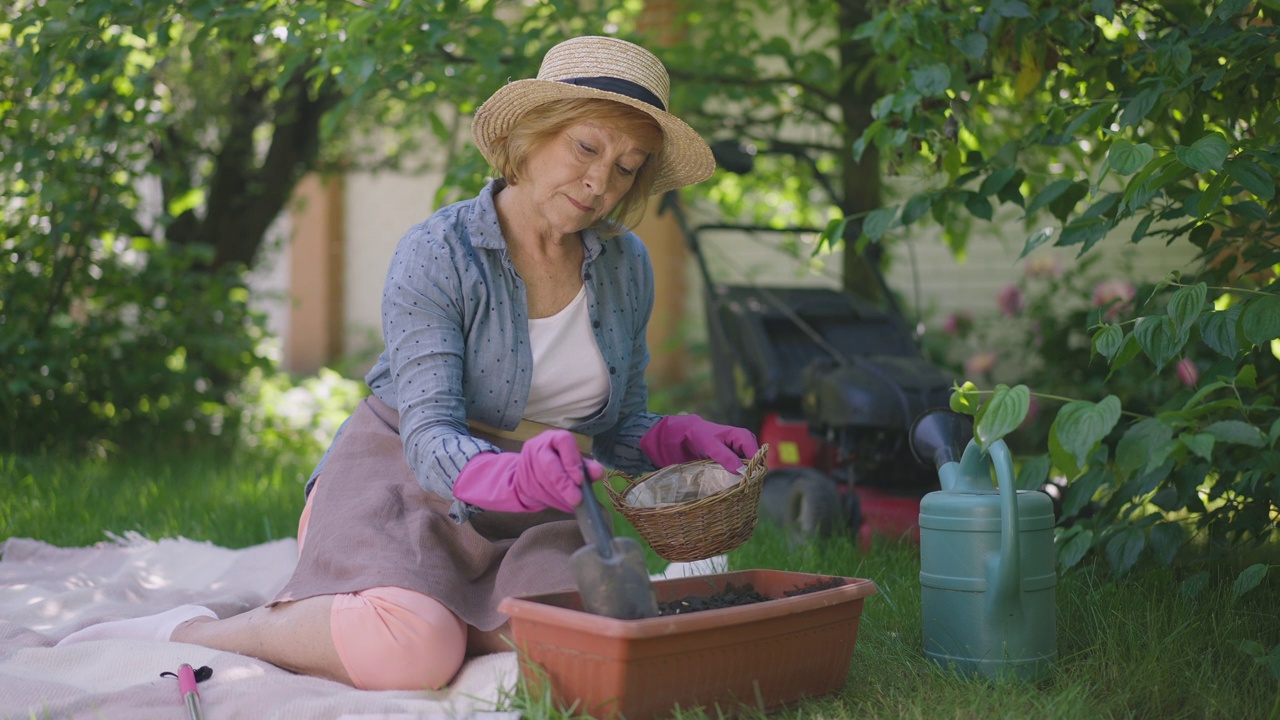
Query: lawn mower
column 832, row 382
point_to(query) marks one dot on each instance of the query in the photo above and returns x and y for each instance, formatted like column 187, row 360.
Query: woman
column 514, row 326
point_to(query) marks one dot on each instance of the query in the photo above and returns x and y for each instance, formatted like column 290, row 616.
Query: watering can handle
column 973, row 475
column 1008, row 580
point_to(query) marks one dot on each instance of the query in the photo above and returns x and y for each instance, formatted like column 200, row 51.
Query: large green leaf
column 878, row 221
column 1159, row 338
column 1166, row 540
column 1081, row 425
column 1126, row 158
column 1251, row 177
column 1002, row 414
column 1072, row 551
column 1218, row 330
column 1260, row 320
column 1248, row 579
column 1237, row 431
column 931, row 80
column 1124, row 548
column 1108, row 340
column 1134, row 449
column 1185, row 306
column 1204, row 155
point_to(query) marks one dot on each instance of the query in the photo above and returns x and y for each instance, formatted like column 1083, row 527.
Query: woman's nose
column 596, row 178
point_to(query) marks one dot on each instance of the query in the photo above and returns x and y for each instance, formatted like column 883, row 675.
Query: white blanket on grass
column 47, row 592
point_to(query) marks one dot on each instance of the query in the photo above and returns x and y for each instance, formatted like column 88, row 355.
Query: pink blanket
column 47, row 592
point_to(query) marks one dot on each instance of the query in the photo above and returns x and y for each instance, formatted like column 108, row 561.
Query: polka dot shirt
column 456, row 327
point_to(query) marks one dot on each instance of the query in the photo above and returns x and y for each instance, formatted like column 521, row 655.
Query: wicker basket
column 697, row 529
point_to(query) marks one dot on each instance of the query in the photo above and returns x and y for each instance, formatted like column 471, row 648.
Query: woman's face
column 578, row 177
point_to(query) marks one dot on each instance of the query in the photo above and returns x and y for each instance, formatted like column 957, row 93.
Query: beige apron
column 372, row 525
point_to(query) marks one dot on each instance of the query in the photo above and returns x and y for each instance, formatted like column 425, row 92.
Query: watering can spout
column 939, row 436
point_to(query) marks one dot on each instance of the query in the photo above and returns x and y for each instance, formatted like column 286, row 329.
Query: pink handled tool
column 187, row 688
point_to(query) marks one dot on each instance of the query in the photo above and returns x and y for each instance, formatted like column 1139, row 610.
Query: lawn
column 1153, row 644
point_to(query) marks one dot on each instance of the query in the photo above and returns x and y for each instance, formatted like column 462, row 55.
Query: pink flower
column 1187, row 372
column 1010, row 300
column 980, row 363
column 1115, row 295
column 1043, row 265
column 957, row 323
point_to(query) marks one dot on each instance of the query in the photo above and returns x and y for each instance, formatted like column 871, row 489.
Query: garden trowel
column 611, row 574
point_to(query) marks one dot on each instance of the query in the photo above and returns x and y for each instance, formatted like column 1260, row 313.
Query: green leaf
column 1034, row 472
column 1108, row 340
column 878, row 221
column 1218, row 330
column 1051, row 192
column 1139, row 191
column 1126, row 158
column 1211, row 198
column 1260, row 320
column 1238, row 432
column 978, row 206
column 1166, row 540
column 1158, row 337
column 1199, row 443
column 1085, row 231
column 1011, row 9
column 931, row 80
column 1063, row 205
column 1062, row 459
column 1081, row 425
column 1137, row 108
column 1080, row 492
column 1186, row 304
column 1140, row 231
column 1002, row 414
column 1204, row 155
column 1228, row 10
column 1041, row 236
column 996, row 181
column 1124, row 549
column 1105, row 8
column 1251, row 177
column 1134, row 449
column 1127, row 354
column 1073, row 550
column 916, row 207
column 1248, row 579
column 972, row 45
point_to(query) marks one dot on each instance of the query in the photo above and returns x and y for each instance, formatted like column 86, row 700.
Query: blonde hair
column 542, row 123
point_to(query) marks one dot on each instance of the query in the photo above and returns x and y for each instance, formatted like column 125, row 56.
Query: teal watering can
column 987, row 562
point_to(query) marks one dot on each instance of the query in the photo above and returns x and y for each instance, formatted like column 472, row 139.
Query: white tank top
column 570, row 380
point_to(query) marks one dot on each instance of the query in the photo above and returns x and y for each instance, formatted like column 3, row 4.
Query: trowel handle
column 591, row 518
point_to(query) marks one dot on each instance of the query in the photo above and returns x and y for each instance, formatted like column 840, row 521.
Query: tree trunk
column 860, row 181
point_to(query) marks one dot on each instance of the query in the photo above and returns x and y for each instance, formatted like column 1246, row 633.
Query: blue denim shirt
column 456, row 326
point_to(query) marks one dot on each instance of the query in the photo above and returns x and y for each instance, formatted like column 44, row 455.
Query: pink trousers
column 389, row 638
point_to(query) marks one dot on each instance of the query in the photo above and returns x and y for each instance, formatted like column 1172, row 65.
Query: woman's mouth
column 580, row 206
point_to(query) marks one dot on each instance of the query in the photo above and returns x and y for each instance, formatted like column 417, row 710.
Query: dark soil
column 735, row 595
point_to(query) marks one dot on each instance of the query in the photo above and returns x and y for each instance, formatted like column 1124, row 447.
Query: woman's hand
column 686, row 438
column 546, row 473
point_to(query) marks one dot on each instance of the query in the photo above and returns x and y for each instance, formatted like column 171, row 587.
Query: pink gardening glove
column 546, row 473
column 686, row 438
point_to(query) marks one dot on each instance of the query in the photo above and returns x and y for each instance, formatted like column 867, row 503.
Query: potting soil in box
column 762, row 655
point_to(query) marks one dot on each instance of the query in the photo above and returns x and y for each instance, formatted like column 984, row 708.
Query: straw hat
column 609, row 69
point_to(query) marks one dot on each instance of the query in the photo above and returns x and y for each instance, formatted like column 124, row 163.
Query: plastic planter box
column 762, row 656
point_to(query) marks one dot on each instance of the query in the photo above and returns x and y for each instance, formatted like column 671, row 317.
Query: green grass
column 1132, row 648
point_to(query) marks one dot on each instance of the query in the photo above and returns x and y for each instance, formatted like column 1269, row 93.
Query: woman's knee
column 396, row 639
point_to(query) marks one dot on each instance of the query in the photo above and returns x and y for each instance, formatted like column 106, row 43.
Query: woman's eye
column 587, row 148
column 625, row 171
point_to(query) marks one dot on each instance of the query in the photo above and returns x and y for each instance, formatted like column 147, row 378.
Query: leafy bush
column 104, row 341
column 1156, row 116
column 295, row 421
